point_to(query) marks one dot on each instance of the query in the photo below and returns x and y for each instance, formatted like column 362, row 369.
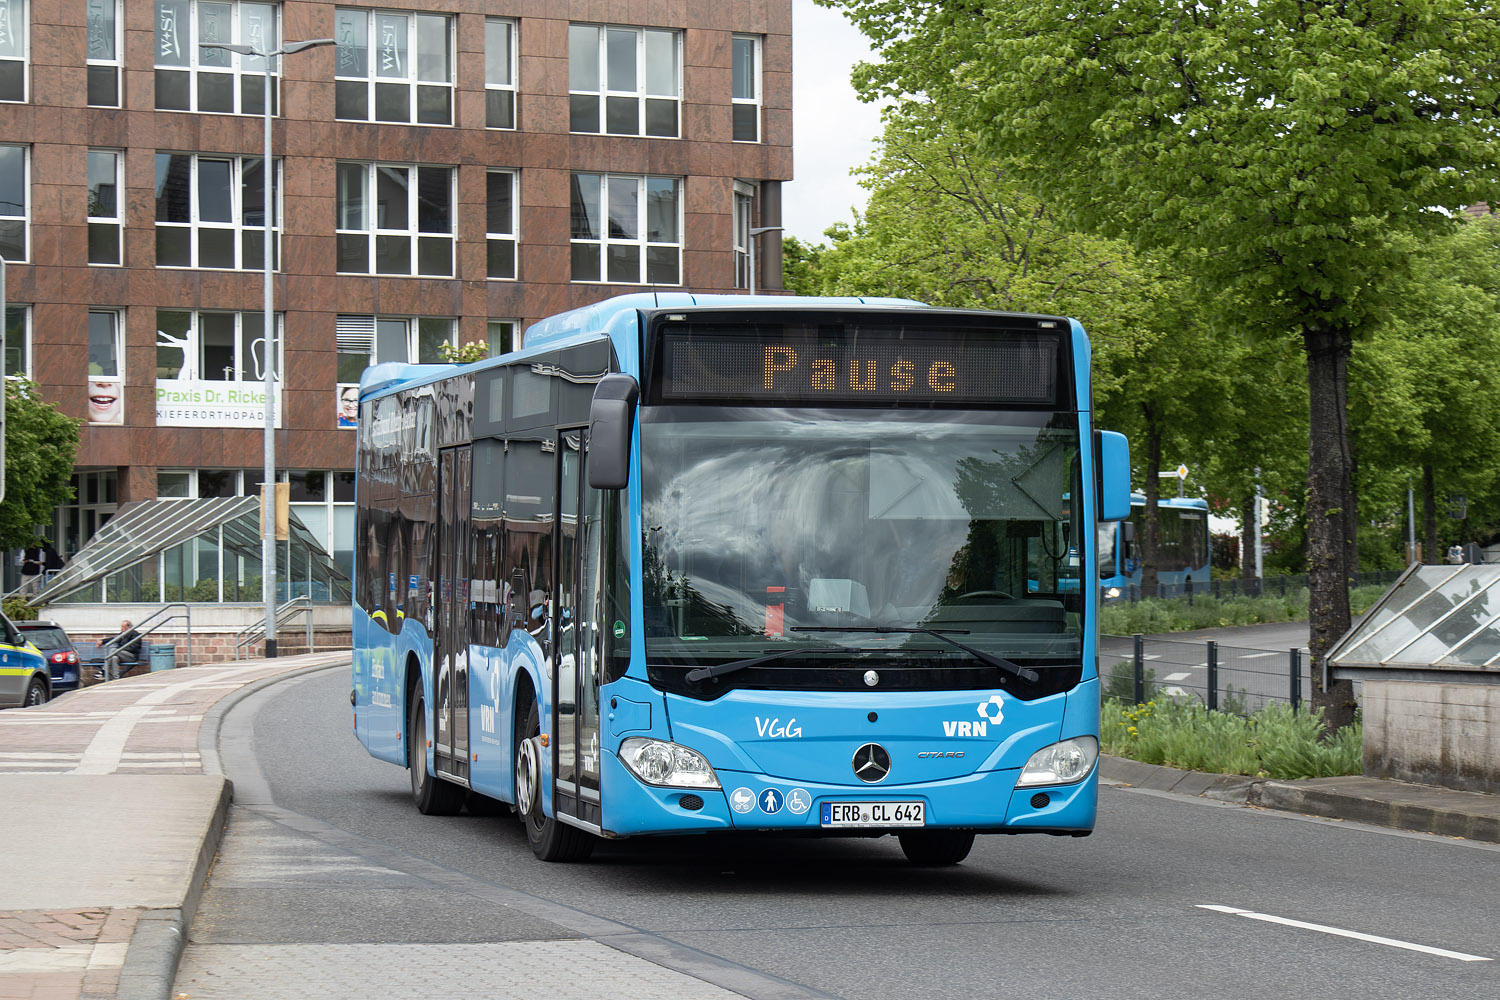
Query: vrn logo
column 776, row 731
column 487, row 713
column 991, row 711
column 965, row 728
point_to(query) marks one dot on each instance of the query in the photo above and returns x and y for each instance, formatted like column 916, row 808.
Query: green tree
column 1286, row 141
column 40, row 445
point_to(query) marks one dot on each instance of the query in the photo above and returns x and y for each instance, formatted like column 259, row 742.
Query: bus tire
column 36, row 693
column 936, row 848
column 550, row 840
column 433, row 795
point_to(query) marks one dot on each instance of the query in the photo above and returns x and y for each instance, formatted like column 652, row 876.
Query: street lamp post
column 753, row 234
column 268, row 486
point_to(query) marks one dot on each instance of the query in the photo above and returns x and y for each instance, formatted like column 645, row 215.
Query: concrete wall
column 1441, row 734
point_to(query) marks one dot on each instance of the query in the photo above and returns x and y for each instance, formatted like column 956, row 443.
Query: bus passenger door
column 575, row 764
column 451, row 648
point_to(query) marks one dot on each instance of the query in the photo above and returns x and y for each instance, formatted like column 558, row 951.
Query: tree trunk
column 1328, row 486
column 1247, row 540
column 1149, row 536
column 1430, row 552
column 1351, row 516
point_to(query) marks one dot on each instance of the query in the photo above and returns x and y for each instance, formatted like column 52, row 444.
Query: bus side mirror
column 1127, row 536
column 1112, row 465
column 611, row 420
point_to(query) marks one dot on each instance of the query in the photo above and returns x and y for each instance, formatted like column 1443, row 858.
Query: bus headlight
column 1064, row 763
column 657, row 762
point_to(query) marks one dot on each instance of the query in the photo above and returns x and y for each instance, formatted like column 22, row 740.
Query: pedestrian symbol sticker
column 742, row 800
column 798, row 801
column 770, row 801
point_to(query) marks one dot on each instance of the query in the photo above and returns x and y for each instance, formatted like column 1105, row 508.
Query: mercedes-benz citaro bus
column 709, row 563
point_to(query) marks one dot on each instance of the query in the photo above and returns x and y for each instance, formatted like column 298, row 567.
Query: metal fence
column 1227, row 678
column 1277, row 585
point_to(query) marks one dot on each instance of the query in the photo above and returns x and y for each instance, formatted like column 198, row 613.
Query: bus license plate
column 873, row 814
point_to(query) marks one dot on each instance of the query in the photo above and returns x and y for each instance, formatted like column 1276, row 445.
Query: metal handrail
column 151, row 623
column 256, row 631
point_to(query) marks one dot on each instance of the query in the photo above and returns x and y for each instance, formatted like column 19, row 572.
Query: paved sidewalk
column 116, row 789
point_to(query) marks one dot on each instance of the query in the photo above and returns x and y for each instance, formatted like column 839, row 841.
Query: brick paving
column 145, row 724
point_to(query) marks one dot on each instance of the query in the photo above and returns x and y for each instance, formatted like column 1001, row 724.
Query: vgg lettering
column 863, row 375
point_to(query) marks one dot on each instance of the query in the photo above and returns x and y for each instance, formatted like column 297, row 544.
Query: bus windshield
column 790, row 530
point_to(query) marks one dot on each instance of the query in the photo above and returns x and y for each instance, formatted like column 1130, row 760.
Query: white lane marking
column 1340, row 932
column 1151, row 656
column 1179, row 676
column 1176, row 692
column 1258, row 656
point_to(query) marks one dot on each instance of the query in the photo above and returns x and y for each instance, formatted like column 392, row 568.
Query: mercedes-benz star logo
column 872, row 763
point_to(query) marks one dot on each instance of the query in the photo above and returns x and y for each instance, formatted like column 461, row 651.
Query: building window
column 18, row 340
column 15, row 182
column 746, row 95
column 14, row 40
column 377, row 78
column 624, row 81
column 395, row 219
column 630, row 225
column 500, row 223
column 211, row 346
column 502, row 336
column 210, row 211
column 499, row 73
column 103, row 41
column 105, row 214
column 374, row 340
column 95, row 499
column 106, row 371
column 744, row 199
column 192, row 78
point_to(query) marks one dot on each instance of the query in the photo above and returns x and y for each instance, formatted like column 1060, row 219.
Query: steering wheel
column 984, row 593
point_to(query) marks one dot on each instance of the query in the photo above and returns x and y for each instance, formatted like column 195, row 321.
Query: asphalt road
column 324, row 846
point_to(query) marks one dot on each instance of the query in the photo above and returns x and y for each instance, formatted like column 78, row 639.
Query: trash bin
column 163, row 657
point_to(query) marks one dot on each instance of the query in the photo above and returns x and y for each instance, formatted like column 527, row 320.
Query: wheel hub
column 528, row 775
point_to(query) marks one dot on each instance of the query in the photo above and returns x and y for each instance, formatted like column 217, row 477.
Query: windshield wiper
column 999, row 662
column 720, row 669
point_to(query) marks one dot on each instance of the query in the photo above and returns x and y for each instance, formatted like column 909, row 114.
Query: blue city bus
column 1183, row 552
column 711, row 563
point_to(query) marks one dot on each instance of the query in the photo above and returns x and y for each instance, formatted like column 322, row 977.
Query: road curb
column 1420, row 817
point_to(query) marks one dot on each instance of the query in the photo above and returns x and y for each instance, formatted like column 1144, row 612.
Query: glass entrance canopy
column 205, row 550
column 1434, row 619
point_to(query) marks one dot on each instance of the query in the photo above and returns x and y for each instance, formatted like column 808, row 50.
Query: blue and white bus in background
column 696, row 563
column 1183, row 550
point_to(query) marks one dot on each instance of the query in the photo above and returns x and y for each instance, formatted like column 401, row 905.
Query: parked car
column 61, row 654
column 24, row 677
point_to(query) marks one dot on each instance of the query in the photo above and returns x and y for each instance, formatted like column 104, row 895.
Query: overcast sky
column 832, row 130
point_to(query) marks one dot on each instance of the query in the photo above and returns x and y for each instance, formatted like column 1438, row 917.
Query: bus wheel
column 550, row 840
column 936, row 848
column 433, row 796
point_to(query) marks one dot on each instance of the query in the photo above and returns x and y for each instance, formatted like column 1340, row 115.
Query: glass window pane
column 431, row 335
column 104, row 243
column 215, row 200
column 624, row 208
column 173, row 484
column 393, row 255
column 620, row 59
column 392, row 210
column 747, row 123
column 585, row 207
column 216, row 355
column 661, row 63
column 661, row 118
column 174, row 246
column 12, row 80
column 351, row 100
column 432, row 49
column 173, row 90
column 15, row 340
column 393, row 102
column 102, row 184
column 100, row 16
column 215, row 24
column 501, row 258
column 354, row 253
column 12, row 180
column 216, row 248
column 173, row 34
column 352, row 178
column 435, row 255
column 103, row 344
column 585, row 262
column 624, row 263
column 174, row 173
column 583, row 57
column 252, row 193
column 104, row 88
column 497, row 202
column 497, row 46
column 434, row 105
column 350, row 31
column 390, row 340
column 744, row 69
column 622, row 115
column 661, row 210
column 500, row 109
column 390, row 46
column 216, row 92
column 173, row 337
column 434, row 200
column 258, row 30
column 583, row 113
column 500, row 334
column 663, row 265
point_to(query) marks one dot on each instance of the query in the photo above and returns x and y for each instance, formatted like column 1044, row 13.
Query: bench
column 89, row 655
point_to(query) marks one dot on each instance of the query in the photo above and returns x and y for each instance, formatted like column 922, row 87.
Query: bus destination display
column 924, row 367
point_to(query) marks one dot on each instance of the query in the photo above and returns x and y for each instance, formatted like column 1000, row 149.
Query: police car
column 24, row 677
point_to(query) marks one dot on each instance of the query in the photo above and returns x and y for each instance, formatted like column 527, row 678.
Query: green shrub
column 18, row 610
column 1174, row 614
column 1274, row 742
column 1121, row 685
